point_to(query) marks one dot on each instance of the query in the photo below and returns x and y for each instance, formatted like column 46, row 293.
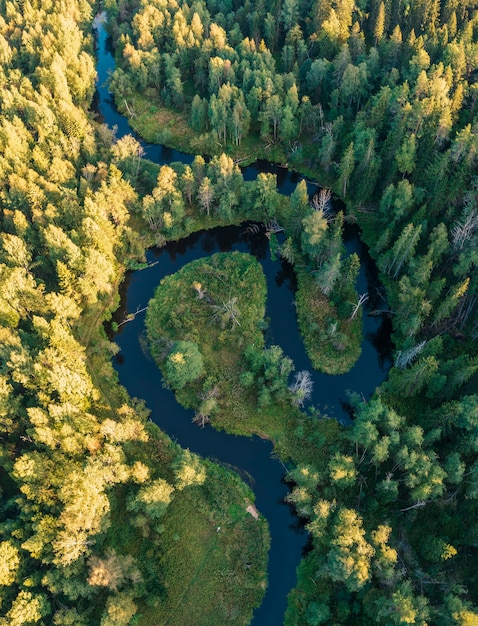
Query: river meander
column 250, row 457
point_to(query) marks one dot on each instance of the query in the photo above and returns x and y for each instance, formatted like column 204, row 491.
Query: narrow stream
column 250, row 456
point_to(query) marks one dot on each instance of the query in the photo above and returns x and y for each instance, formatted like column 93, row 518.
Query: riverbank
column 159, row 124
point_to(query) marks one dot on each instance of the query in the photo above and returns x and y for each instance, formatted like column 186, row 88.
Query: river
column 250, row 456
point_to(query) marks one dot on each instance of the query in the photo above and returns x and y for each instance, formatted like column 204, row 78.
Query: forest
column 93, row 495
column 102, row 515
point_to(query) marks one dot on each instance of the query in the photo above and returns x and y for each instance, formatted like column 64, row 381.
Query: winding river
column 251, row 457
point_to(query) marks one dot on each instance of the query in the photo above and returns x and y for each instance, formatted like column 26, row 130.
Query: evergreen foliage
column 377, row 98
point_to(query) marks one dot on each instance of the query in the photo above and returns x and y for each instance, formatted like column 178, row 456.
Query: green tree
column 348, row 560
column 402, row 251
column 313, row 239
column 406, row 156
column 403, row 606
column 346, row 168
column 120, row 608
column 289, row 127
column 342, row 470
column 199, row 114
column 379, row 26
column 266, row 196
column 189, row 470
column 241, row 119
column 289, row 14
column 206, row 194
column 127, row 153
column 28, row 608
column 272, row 115
column 9, row 563
column 151, row 500
column 183, row 365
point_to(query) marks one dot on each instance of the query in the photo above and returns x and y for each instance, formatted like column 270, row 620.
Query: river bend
column 250, row 457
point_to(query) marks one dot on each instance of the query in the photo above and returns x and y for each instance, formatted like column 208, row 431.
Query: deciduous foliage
column 79, row 463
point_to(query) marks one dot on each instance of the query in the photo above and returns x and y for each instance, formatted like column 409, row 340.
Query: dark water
column 250, row 456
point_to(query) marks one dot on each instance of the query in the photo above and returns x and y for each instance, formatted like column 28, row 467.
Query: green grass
column 192, row 573
column 211, row 577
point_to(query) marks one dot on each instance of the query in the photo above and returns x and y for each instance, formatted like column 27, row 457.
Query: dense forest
column 94, row 497
column 377, row 100
column 100, row 510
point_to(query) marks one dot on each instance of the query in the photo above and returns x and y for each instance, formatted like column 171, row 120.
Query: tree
column 270, row 371
column 218, row 115
column 348, row 560
column 189, row 470
column 120, row 608
column 272, row 114
column 402, row 251
column 227, row 312
column 317, row 613
column 165, row 185
column 151, row 500
column 199, row 113
column 353, row 84
column 28, row 608
column 183, row 365
column 9, row 563
column 289, row 127
column 112, row 571
column 301, row 388
column 379, row 26
column 406, row 156
column 342, row 470
column 187, row 183
column 127, row 153
column 346, row 167
column 266, row 195
column 318, row 77
column 173, row 91
column 289, row 14
column 299, row 207
column 328, row 274
column 206, row 194
column 386, row 557
column 68, row 617
column 241, row 119
column 403, row 606
column 313, row 237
